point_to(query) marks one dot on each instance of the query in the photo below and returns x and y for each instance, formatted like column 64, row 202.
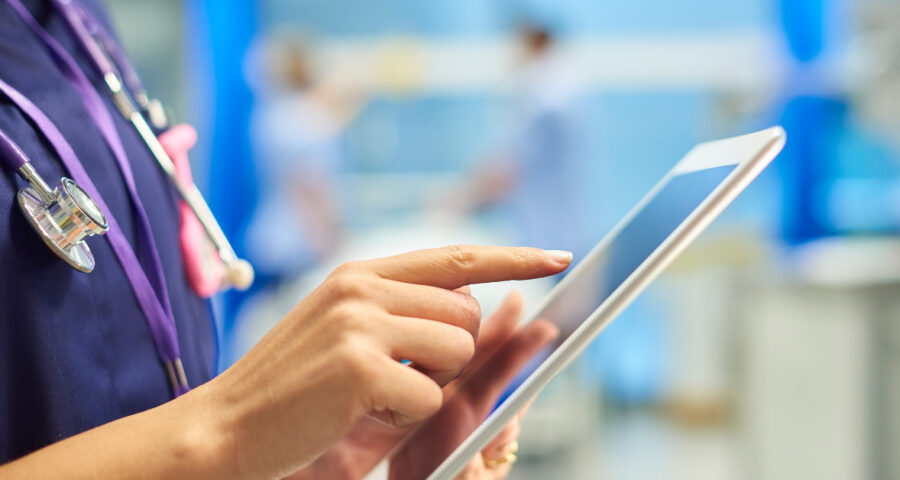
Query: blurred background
column 343, row 129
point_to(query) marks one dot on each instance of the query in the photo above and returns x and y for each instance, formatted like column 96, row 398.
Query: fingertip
column 539, row 333
column 504, row 320
column 473, row 468
column 545, row 329
column 562, row 258
column 509, row 434
column 514, row 299
column 511, row 306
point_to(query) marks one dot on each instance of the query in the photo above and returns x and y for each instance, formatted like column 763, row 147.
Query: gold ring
column 510, row 457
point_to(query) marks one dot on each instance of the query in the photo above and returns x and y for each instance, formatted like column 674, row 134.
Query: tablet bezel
column 754, row 152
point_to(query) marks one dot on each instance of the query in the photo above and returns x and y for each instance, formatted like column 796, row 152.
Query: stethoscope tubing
column 17, row 161
column 239, row 272
column 13, row 156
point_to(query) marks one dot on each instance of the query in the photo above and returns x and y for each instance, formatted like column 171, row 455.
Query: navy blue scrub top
column 75, row 348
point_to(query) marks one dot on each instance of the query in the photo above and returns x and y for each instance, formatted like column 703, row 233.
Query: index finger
column 460, row 265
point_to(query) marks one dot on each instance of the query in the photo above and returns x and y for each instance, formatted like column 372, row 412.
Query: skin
column 500, row 352
column 327, row 373
column 470, row 403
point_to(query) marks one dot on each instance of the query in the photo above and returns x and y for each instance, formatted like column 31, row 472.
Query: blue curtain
column 218, row 34
column 813, row 120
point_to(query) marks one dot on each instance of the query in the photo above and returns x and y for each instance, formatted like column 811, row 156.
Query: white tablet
column 637, row 250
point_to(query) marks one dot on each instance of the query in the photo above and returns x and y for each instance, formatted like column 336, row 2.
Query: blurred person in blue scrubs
column 536, row 172
column 296, row 129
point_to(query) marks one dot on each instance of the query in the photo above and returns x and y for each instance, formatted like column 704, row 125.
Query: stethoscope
column 65, row 216
column 128, row 93
column 136, row 106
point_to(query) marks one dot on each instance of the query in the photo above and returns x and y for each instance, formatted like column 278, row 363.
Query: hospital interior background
column 343, row 129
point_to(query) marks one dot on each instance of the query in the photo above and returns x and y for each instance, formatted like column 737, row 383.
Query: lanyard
column 149, row 287
column 94, row 28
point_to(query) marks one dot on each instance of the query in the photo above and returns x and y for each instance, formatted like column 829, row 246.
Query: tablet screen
column 636, row 241
column 604, row 271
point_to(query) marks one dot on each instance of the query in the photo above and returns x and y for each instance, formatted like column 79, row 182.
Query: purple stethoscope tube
column 13, row 156
column 18, row 162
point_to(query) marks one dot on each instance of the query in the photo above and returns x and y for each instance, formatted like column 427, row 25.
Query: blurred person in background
column 111, row 373
column 296, row 130
column 536, row 171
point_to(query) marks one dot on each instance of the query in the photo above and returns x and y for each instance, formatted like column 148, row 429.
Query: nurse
column 93, row 382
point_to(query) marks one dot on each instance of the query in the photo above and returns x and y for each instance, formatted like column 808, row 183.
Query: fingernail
column 560, row 256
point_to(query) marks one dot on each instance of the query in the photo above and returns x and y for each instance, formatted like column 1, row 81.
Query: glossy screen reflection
column 584, row 290
column 604, row 272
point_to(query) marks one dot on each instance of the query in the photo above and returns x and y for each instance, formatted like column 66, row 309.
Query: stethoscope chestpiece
column 65, row 221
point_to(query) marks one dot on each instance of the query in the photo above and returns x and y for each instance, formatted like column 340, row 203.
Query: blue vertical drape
column 218, row 34
column 813, row 116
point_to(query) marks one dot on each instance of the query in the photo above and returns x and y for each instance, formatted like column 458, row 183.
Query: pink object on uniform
column 202, row 264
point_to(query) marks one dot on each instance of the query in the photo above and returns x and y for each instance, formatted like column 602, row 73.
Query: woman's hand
column 335, row 358
column 500, row 352
column 470, row 400
column 497, row 458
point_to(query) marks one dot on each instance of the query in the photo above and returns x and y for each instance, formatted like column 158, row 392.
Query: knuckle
column 466, row 314
column 432, row 398
column 349, row 286
column 343, row 359
column 525, row 255
column 358, row 363
column 471, row 309
column 349, row 317
column 464, row 347
column 461, row 257
column 347, row 268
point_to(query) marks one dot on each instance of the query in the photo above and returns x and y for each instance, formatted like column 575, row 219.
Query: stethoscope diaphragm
column 63, row 216
column 65, row 222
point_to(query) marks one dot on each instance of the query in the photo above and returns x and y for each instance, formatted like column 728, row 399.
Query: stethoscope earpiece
column 239, row 274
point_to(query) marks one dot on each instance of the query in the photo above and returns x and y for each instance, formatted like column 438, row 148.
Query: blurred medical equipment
column 875, row 69
column 133, row 103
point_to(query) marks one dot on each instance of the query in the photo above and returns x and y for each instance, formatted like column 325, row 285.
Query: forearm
column 179, row 439
column 330, row 362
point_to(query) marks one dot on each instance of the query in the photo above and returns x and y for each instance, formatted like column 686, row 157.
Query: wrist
column 205, row 435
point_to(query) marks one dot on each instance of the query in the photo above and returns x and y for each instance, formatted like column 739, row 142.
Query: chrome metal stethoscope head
column 63, row 216
column 65, row 221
